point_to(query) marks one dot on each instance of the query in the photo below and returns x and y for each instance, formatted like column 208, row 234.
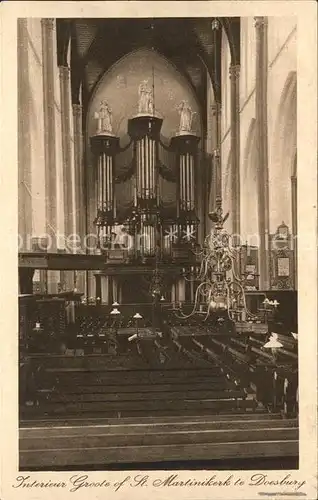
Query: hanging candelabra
column 220, row 289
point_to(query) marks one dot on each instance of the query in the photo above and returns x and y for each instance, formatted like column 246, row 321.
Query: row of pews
column 112, row 443
column 274, row 378
column 159, row 399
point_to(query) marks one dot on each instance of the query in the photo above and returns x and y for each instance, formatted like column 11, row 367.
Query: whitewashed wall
column 249, row 196
column 282, row 133
column 34, row 109
column 282, row 117
column 31, row 136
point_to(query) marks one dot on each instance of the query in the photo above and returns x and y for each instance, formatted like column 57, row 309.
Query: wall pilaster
column 262, row 148
column 235, row 147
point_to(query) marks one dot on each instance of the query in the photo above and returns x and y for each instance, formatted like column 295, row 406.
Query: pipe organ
column 146, row 168
column 159, row 232
column 185, row 147
column 145, row 133
column 105, row 148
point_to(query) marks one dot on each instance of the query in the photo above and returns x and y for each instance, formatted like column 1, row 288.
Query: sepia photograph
column 157, row 243
column 159, row 250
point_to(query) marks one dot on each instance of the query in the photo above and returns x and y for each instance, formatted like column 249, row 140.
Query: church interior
column 157, row 181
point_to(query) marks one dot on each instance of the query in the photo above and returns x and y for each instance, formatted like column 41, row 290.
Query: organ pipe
column 187, row 183
column 146, row 168
column 185, row 147
column 105, row 183
column 105, row 148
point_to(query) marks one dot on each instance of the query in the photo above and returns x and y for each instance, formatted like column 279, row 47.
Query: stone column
column 215, row 114
column 294, row 224
column 98, row 292
column 119, row 290
column 80, row 202
column 64, row 74
column 262, row 148
column 181, row 290
column 48, row 47
column 235, row 147
column 49, row 130
column 115, row 289
column 24, row 139
column 216, row 125
column 111, row 298
column 173, row 293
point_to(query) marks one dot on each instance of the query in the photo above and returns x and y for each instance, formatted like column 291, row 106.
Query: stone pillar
column 24, row 140
column 294, row 224
column 173, row 293
column 215, row 116
column 49, row 130
column 64, row 74
column 262, row 148
column 80, row 201
column 119, row 290
column 181, row 290
column 115, row 289
column 235, row 148
column 111, row 298
column 216, row 125
column 79, row 206
column 98, row 281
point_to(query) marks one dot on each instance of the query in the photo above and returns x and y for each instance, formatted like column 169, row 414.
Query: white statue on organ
column 186, row 117
column 104, row 119
column 145, row 102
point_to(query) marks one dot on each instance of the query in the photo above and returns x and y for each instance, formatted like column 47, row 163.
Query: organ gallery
column 157, row 243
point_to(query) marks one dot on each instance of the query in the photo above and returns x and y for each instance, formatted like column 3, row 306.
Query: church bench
column 152, row 425
column 219, row 384
column 100, row 456
column 151, row 381
column 85, row 420
column 225, row 367
column 267, row 391
column 191, row 354
column 38, row 414
column 239, row 343
column 91, row 361
column 137, row 374
column 282, row 353
column 145, row 396
column 148, row 407
column 288, row 341
column 157, row 438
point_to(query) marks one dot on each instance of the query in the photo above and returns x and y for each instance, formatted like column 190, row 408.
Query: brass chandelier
column 220, row 288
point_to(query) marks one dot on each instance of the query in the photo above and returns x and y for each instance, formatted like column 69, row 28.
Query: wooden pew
column 165, row 440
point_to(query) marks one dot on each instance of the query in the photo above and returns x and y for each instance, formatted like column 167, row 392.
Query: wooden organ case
column 156, row 235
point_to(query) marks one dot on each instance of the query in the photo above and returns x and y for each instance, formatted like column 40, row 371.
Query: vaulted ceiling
column 188, row 43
